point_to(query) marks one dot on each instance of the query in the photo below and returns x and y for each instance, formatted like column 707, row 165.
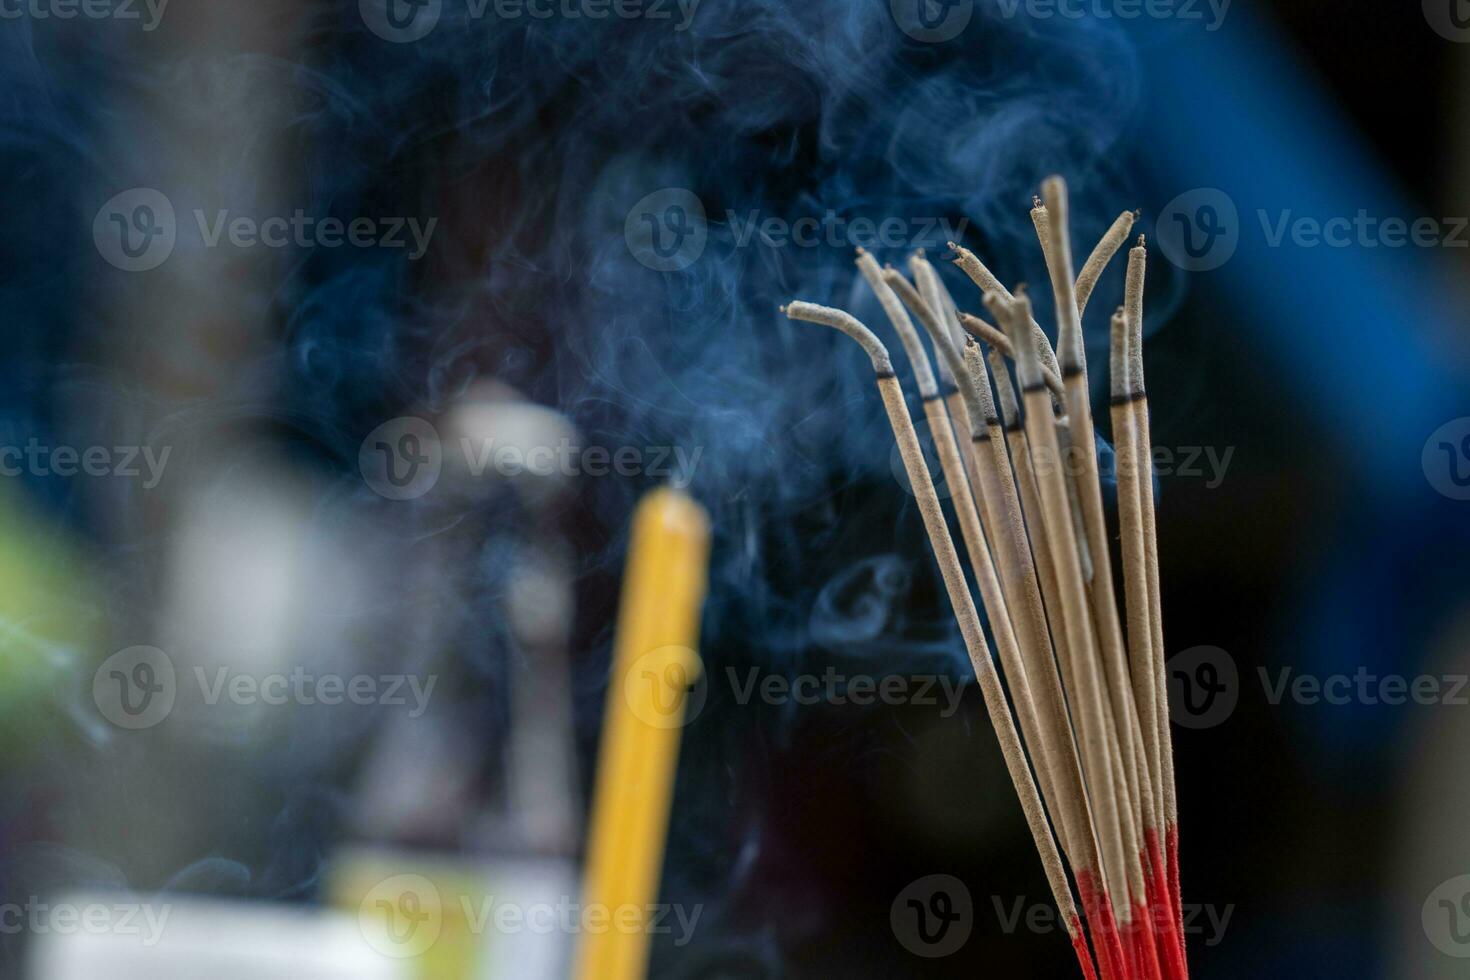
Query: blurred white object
column 479, row 918
column 260, row 586
column 194, row 939
column 533, row 953
column 493, row 435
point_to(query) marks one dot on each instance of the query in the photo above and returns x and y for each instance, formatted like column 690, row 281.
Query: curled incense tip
column 837, row 319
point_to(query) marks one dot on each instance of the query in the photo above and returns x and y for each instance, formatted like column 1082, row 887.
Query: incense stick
column 993, row 337
column 1140, row 639
column 964, row 607
column 902, row 325
column 1102, row 253
column 1139, row 416
column 1107, row 247
column 981, row 276
column 932, row 288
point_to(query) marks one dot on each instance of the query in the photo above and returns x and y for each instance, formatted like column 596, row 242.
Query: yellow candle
column 654, row 664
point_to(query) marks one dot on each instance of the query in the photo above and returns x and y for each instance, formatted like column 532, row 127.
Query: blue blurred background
column 244, row 242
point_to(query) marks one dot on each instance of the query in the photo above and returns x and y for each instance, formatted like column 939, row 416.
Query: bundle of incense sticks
column 1082, row 718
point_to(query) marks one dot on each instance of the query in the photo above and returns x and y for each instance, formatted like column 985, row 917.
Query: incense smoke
column 621, row 205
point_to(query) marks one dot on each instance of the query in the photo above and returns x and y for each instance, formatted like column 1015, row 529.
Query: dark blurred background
column 1313, row 522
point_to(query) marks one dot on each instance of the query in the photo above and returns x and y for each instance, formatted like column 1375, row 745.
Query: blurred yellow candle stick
column 654, row 666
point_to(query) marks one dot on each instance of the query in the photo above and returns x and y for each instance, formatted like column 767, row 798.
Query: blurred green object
column 48, row 619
